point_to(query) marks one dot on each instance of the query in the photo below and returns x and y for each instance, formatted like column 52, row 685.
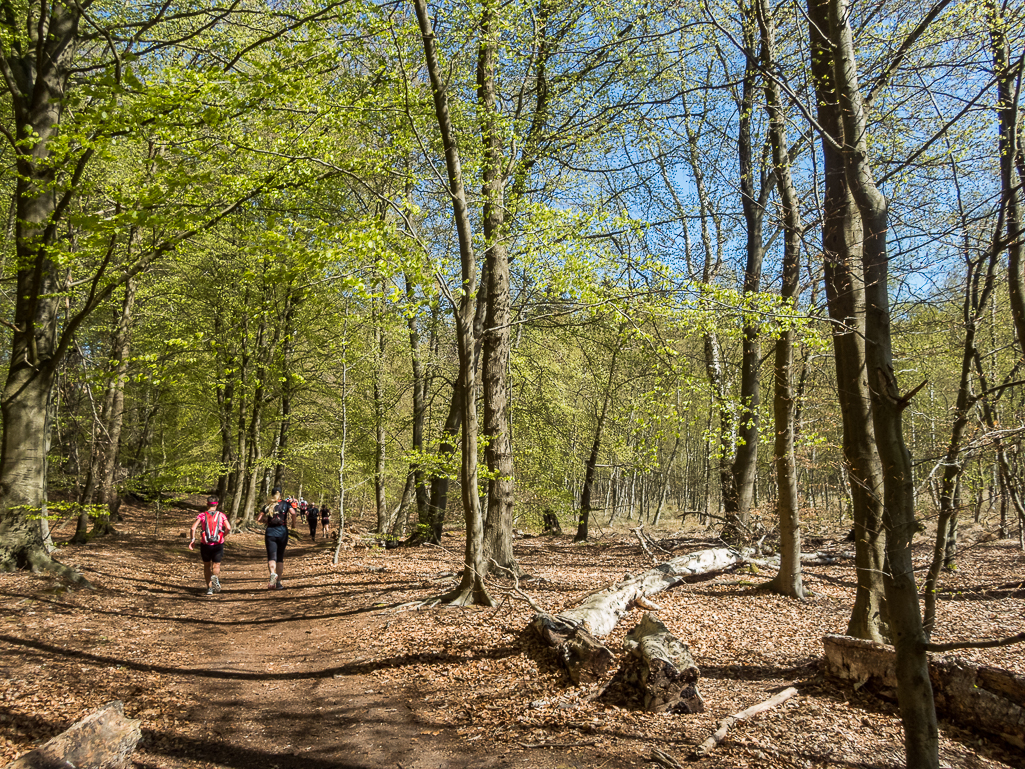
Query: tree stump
column 104, row 739
column 667, row 673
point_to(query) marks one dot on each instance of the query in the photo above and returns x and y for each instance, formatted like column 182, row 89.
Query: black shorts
column 276, row 547
column 211, row 553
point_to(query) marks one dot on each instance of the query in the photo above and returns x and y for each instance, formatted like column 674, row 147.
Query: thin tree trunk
column 113, row 413
column 379, row 408
column 788, row 580
column 345, row 437
column 584, row 519
column 745, row 465
column 471, row 589
column 281, row 445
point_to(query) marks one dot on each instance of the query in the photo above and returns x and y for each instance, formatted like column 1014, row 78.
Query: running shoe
column 279, row 585
column 273, row 582
column 215, row 583
column 210, row 590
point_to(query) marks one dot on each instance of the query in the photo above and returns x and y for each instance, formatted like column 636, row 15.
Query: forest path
column 277, row 679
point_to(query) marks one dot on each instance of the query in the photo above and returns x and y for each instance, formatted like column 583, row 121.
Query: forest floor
column 327, row 673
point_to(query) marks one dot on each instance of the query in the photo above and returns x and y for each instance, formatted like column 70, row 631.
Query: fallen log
column 719, row 735
column 104, row 739
column 986, row 698
column 575, row 632
column 602, row 611
column 666, row 670
column 586, row 659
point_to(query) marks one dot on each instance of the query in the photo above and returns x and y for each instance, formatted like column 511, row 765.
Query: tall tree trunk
column 36, row 69
column 498, row 520
column 419, row 408
column 281, row 447
column 471, row 589
column 584, row 519
column 914, row 689
column 788, row 580
column 114, row 411
column 379, row 408
column 430, row 528
column 745, row 464
column 845, row 299
column 1008, row 79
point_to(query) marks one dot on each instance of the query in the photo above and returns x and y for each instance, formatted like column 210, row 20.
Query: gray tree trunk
column 788, row 580
column 471, row 589
column 914, row 689
column 498, row 521
column 845, row 298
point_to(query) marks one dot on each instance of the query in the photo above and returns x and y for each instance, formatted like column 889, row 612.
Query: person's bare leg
column 270, row 568
column 207, row 571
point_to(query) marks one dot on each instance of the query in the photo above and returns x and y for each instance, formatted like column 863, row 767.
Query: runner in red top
column 213, row 528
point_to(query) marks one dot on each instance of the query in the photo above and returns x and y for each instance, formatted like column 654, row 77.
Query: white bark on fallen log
column 586, row 658
column 574, row 631
column 986, row 698
column 104, row 739
column 719, row 735
column 600, row 612
column 667, row 674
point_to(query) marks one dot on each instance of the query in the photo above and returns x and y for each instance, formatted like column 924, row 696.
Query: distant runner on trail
column 313, row 518
column 276, row 516
column 213, row 528
column 325, row 519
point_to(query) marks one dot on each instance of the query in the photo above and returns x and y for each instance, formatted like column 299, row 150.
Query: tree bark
column 668, row 675
column 788, row 580
column 498, row 550
column 745, row 464
column 36, row 71
column 915, row 696
column 984, row 698
column 1010, row 155
column 845, row 297
column 471, row 589
column 381, row 502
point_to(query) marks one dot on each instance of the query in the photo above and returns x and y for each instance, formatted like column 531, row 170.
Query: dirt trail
column 280, row 684
column 249, row 677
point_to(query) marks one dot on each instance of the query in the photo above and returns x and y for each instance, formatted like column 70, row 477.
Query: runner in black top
column 275, row 514
column 325, row 519
column 313, row 518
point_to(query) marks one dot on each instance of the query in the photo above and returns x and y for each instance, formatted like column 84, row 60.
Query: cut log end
column 666, row 673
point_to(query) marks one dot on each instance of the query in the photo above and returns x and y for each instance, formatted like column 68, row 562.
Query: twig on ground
column 644, row 545
column 516, row 589
column 665, row 760
column 709, row 745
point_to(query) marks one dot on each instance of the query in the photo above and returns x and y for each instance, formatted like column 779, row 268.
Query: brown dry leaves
column 472, row 672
